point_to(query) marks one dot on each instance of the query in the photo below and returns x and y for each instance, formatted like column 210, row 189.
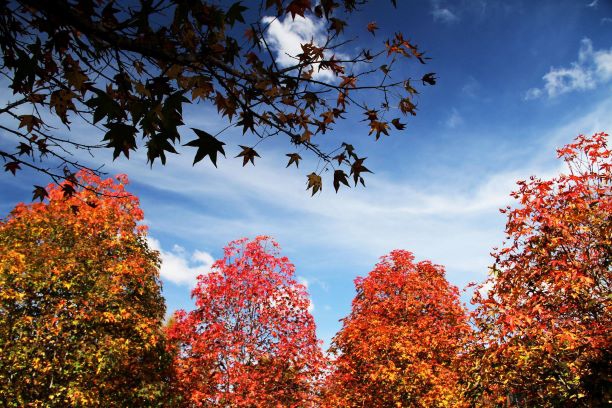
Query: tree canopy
column 129, row 68
column 251, row 340
column 80, row 301
column 544, row 315
column 400, row 344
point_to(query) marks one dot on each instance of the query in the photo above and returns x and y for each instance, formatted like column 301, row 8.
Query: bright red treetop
column 546, row 319
column 399, row 345
column 251, row 341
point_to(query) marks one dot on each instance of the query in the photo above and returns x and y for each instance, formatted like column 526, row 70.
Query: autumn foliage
column 251, row 340
column 80, row 302
column 399, row 345
column 81, row 312
column 132, row 67
column 544, row 323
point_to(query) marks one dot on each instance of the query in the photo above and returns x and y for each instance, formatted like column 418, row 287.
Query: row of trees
column 82, row 317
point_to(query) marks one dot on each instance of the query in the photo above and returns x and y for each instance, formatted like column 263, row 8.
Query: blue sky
column 516, row 81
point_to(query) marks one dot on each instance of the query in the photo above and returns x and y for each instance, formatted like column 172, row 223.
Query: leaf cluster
column 129, row 69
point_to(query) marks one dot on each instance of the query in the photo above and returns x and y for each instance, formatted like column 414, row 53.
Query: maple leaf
column 379, row 127
column 29, row 122
column 207, row 145
column 293, row 158
column 337, row 25
column 406, row 106
column 246, row 121
column 40, row 193
column 429, row 78
column 24, row 149
column 328, row 7
column 371, row 114
column 234, row 13
column 121, row 137
column 61, row 102
column 68, row 190
column 298, row 7
column 12, row 166
column 104, row 105
column 348, row 82
column 314, row 182
column 408, row 87
column 340, row 177
column 398, row 125
column 357, row 168
column 247, row 154
column 372, row 27
column 306, row 136
column 350, row 150
column 341, row 158
column 157, row 146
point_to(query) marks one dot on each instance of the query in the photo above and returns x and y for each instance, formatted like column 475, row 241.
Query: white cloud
column 286, row 36
column 442, row 14
column 454, row 120
column 180, row 268
column 593, row 4
column 605, row 20
column 533, row 93
column 593, row 68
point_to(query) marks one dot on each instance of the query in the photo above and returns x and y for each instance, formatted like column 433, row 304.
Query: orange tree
column 251, row 340
column 80, row 302
column 545, row 320
column 133, row 66
column 399, row 345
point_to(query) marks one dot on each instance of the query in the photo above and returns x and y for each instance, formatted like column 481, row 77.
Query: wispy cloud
column 455, row 119
column 180, row 267
column 593, row 4
column 442, row 13
column 454, row 223
column 591, row 69
column 471, row 87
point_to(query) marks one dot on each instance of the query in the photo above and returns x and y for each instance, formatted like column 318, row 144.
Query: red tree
column 545, row 320
column 399, row 345
column 251, row 341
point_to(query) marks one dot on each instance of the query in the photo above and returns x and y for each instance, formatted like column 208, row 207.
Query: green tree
column 131, row 67
column 80, row 301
